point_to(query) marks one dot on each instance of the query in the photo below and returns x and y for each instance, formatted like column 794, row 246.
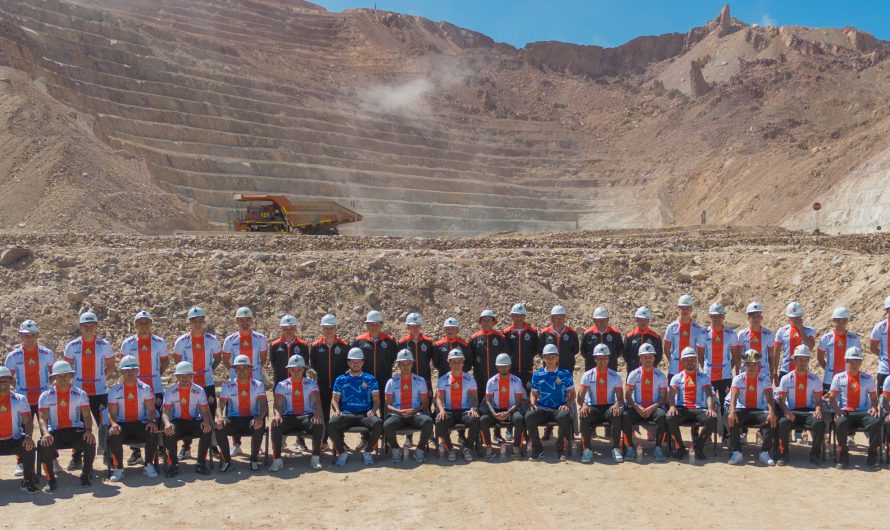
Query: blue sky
column 614, row 22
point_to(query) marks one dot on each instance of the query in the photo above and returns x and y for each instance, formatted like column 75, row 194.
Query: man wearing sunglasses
column 751, row 404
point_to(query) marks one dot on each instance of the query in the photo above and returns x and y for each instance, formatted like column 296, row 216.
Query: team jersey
column 13, row 407
column 879, row 337
column 691, row 390
column 504, row 391
column 250, row 345
column 751, row 391
column 297, row 395
column 356, row 392
column 88, row 360
column 552, row 387
column 761, row 340
column 66, row 409
column 679, row 336
column 406, row 394
column 199, row 351
column 184, row 403
column 456, row 393
column 648, row 386
column 243, row 398
column 800, row 392
column 852, row 393
column 718, row 345
column 31, row 371
column 789, row 339
column 149, row 351
column 132, row 401
column 601, row 386
column 834, row 349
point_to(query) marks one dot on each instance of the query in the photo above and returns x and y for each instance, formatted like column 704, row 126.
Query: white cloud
column 767, row 20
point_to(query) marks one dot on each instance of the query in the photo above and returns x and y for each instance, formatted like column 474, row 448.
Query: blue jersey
column 552, row 387
column 355, row 392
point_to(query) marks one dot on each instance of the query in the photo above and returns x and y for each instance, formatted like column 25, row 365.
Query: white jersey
column 601, row 386
column 243, row 399
column 88, row 360
column 504, row 391
column 681, row 336
column 148, row 351
column 718, row 352
column 648, row 386
column 133, row 401
column 13, row 408
column 834, row 349
column 297, row 395
column 406, row 394
column 788, row 341
column 252, row 345
column 761, row 340
column 199, row 351
column 879, row 337
column 66, row 409
column 31, row 371
column 184, row 403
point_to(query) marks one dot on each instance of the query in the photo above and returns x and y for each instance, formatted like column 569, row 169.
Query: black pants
column 296, row 425
column 881, row 378
column 540, row 416
column 452, row 418
column 517, row 419
column 235, row 427
column 191, row 429
column 69, row 437
column 394, row 422
column 211, row 402
column 844, row 423
column 324, row 394
column 698, row 417
column 631, row 417
column 748, row 418
column 13, row 446
column 337, row 428
column 801, row 419
column 131, row 431
column 598, row 415
column 98, row 403
column 159, row 405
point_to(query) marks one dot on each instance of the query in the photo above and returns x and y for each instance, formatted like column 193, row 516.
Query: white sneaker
column 765, row 458
column 277, row 464
column 315, row 463
column 369, row 458
column 19, row 471
column 586, row 456
column 736, row 458
column 236, row 451
column 150, row 471
column 57, row 468
column 341, row 459
column 117, row 475
column 616, row 456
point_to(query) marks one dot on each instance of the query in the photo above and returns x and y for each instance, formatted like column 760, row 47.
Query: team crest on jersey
column 145, row 347
column 2, row 409
column 297, row 393
column 337, row 350
column 183, row 401
column 600, row 382
column 31, row 362
column 423, row 347
column 646, row 382
column 751, row 388
column 608, row 337
column 130, row 396
column 853, row 386
column 456, row 384
column 88, row 351
column 384, row 345
column 364, row 386
column 198, row 346
column 528, row 337
column 504, row 389
column 244, row 393
column 63, row 403
column 840, row 344
column 800, row 386
column 559, row 381
column 754, row 340
column 494, row 342
column 566, row 337
column 685, row 333
column 405, row 387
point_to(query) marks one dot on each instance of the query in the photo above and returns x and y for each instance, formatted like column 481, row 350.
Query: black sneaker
column 172, row 471
column 201, row 468
column 135, row 456
column 27, row 487
column 85, row 481
column 816, row 461
column 50, row 487
column 214, row 450
column 681, row 453
column 75, row 463
column 700, row 454
column 872, row 463
column 225, row 466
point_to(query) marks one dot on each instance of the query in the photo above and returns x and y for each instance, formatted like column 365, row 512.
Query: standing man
column 379, row 351
column 243, row 409
column 878, row 343
column 564, row 337
column 718, row 354
column 854, row 397
column 16, row 426
column 691, row 399
column 751, row 404
column 420, row 346
column 800, row 398
column 457, row 401
column 681, row 334
column 451, row 341
column 355, row 403
column 202, row 349
column 601, row 398
column 295, row 411
column 186, row 413
column 602, row 333
column 485, row 345
column 327, row 356
column 64, row 418
column 247, row 342
column 408, row 404
column 834, row 345
column 789, row 337
column 522, row 341
column 151, row 352
column 552, row 393
column 505, row 400
column 646, row 395
column 131, row 414
column 641, row 335
column 285, row 347
column 757, row 337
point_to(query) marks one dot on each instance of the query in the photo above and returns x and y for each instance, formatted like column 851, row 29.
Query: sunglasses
column 752, row 356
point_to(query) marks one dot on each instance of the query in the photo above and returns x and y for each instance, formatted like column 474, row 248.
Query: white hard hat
column 754, row 307
column 685, row 301
column 802, row 351
column 887, row 303
column 793, row 309
column 503, row 360
column 601, row 312
column 128, row 362
column 405, row 355
column 717, row 309
column 488, row 313
column 62, row 368
column 89, row 317
column 853, row 354
column 451, row 322
column 196, row 312
column 142, row 314
column 688, row 352
column 550, row 349
column 28, row 327
column 4, row 372
column 518, row 309
column 643, row 312
column 374, row 317
column 840, row 312
column 329, row 320
column 183, row 368
column 558, row 310
column 243, row 312
column 455, row 354
column 241, row 360
column 355, row 354
column 287, row 321
column 296, row 361
column 646, row 349
column 414, row 319
column 601, row 350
